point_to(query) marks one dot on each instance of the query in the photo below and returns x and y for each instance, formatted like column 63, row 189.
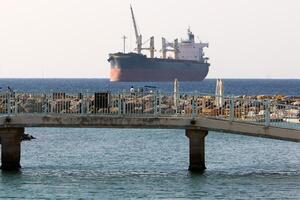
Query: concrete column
column 197, row 149
column 11, row 148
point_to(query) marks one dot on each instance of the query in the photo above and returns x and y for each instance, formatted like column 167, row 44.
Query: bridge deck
column 272, row 117
column 98, row 121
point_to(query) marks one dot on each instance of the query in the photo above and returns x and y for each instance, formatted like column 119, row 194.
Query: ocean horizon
column 232, row 86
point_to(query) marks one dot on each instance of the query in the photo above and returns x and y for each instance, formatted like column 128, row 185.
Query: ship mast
column 124, row 43
column 137, row 35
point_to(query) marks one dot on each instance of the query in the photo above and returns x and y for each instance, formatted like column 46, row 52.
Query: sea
column 73, row 163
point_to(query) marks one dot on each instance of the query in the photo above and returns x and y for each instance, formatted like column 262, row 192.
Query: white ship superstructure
column 189, row 50
column 186, row 49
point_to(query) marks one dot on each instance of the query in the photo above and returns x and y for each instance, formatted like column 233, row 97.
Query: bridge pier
column 197, row 149
column 10, row 148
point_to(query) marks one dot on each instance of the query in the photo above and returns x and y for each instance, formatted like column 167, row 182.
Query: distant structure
column 124, row 43
column 176, row 93
column 184, row 60
column 219, row 93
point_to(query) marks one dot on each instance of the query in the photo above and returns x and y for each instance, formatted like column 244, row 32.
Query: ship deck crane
column 173, row 45
column 138, row 37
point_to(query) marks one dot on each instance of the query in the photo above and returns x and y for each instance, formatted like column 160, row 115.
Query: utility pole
column 124, row 43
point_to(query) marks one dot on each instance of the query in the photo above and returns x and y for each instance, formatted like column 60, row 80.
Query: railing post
column 8, row 104
column 45, row 104
column 82, row 105
column 155, row 103
column 16, row 105
column 193, row 108
column 119, row 105
column 80, row 99
column 51, row 104
column 267, row 113
column 124, row 107
column 231, row 109
column 159, row 103
column 175, row 101
column 87, row 107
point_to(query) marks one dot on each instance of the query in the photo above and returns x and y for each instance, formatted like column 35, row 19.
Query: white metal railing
column 268, row 111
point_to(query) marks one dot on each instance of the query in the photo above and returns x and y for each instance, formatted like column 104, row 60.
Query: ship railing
column 267, row 112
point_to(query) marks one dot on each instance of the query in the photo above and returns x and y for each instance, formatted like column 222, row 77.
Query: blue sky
column 72, row 38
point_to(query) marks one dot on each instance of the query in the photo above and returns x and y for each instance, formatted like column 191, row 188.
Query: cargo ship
column 184, row 61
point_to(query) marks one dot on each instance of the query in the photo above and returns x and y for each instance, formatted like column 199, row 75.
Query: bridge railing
column 268, row 112
column 285, row 115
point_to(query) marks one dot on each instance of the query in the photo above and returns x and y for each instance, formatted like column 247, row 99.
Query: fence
column 268, row 112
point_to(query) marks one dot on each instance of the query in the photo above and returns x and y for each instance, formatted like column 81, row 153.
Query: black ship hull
column 134, row 67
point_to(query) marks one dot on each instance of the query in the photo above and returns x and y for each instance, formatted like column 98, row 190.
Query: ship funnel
column 191, row 35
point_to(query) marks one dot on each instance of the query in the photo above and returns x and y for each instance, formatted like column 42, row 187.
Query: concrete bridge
column 197, row 114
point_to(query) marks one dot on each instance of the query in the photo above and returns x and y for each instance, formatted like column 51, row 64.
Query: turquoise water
column 151, row 164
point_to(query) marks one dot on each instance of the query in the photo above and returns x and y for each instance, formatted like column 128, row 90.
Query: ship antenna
column 137, row 35
column 124, row 43
column 198, row 38
column 189, row 29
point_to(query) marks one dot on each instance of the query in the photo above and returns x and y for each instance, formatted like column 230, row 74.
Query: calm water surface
column 151, row 164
